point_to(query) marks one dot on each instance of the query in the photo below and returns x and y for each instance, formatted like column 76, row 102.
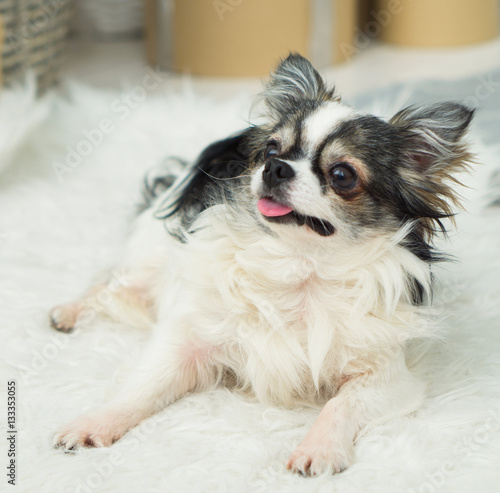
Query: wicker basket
column 33, row 39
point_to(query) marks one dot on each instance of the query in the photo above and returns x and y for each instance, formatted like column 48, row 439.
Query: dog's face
column 331, row 171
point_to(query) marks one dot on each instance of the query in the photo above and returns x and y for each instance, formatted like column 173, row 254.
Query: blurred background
column 226, row 46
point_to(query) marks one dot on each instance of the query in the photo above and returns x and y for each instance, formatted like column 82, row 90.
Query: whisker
column 218, row 177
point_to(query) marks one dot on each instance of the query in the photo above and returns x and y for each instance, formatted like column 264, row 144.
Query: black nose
column 276, row 172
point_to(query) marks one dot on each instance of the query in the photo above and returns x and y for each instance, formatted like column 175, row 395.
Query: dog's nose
column 276, row 172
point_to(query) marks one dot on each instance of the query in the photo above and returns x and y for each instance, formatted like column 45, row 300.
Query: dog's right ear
column 295, row 82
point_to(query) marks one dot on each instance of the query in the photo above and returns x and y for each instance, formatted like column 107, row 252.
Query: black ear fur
column 223, row 160
column 294, row 81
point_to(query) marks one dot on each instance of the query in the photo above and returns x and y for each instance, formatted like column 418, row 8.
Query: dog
column 291, row 261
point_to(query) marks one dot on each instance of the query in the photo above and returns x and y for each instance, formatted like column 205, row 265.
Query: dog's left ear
column 294, row 83
column 433, row 149
column 433, row 133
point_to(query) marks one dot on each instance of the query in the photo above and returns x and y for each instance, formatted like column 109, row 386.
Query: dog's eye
column 272, row 149
column 343, row 176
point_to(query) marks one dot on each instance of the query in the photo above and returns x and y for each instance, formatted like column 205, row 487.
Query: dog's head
column 332, row 171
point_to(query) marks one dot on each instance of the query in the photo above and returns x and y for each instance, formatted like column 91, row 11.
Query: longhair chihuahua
column 290, row 261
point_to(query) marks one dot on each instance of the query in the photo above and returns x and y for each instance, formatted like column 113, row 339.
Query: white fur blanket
column 72, row 167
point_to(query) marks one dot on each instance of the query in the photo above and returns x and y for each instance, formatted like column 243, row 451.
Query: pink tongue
column 270, row 208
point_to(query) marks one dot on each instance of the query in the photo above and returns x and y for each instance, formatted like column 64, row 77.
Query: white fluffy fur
column 294, row 323
column 442, row 441
column 22, row 113
column 325, row 119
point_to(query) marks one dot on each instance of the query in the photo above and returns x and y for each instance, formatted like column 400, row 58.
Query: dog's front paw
column 312, row 458
column 90, row 430
column 64, row 317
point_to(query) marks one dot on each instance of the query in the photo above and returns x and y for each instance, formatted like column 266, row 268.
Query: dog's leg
column 170, row 368
column 120, row 299
column 363, row 399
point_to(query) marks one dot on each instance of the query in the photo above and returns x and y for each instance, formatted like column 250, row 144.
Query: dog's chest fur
column 291, row 324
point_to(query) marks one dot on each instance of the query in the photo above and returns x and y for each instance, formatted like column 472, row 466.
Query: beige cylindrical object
column 234, row 37
column 246, row 37
column 345, row 19
column 151, row 31
column 430, row 23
